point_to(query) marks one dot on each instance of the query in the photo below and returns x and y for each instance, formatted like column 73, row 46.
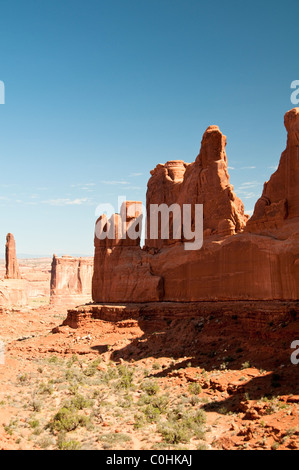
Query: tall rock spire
column 205, row 181
column 12, row 267
column 280, row 197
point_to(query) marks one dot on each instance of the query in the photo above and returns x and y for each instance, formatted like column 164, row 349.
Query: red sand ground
column 249, row 387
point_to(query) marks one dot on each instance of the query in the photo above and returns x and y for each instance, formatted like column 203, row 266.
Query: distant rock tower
column 12, row 267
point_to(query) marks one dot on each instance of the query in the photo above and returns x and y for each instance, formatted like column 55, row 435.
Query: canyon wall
column 241, row 259
column 122, row 271
column 71, row 280
column 13, row 293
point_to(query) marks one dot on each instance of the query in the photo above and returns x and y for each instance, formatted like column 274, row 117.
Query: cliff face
column 71, row 280
column 241, row 259
column 206, row 182
column 122, row 272
column 277, row 210
column 13, row 293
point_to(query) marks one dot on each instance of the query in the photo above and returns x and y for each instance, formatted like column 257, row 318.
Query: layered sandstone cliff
column 122, row 272
column 13, row 292
column 71, row 280
column 239, row 260
column 206, row 182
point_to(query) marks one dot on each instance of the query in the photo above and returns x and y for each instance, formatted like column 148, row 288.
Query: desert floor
column 203, row 383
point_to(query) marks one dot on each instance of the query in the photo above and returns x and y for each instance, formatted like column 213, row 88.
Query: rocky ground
column 203, row 383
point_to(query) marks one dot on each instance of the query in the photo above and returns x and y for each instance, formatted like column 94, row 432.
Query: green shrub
column 114, row 438
column 45, row 389
column 92, row 368
column 140, row 421
column 174, row 432
column 79, row 402
column 34, row 423
column 150, row 387
column 65, row 420
column 66, row 444
column 36, row 405
column 53, row 360
column 126, row 377
column 194, row 388
column 151, row 413
column 246, row 365
column 156, row 366
column 182, row 425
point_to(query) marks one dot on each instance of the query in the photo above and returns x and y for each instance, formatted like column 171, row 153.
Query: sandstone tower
column 12, row 267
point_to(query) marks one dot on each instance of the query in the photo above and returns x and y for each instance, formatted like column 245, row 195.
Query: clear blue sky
column 98, row 92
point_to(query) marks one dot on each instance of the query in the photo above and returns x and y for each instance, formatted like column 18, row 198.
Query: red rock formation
column 13, row 293
column 13, row 289
column 252, row 315
column 12, row 267
column 71, row 280
column 121, row 269
column 205, row 181
column 278, row 207
column 259, row 261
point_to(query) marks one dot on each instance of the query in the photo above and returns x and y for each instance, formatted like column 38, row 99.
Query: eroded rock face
column 13, row 293
column 205, row 181
column 71, row 280
column 12, row 267
column 257, row 261
column 240, row 267
column 122, row 271
column 278, row 207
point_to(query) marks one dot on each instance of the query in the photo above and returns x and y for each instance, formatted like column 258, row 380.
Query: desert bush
column 112, row 439
column 45, row 442
column 182, row 425
column 36, row 405
column 150, row 387
column 139, row 421
column 67, row 419
column 156, row 366
column 126, row 377
column 45, row 389
column 33, row 423
column 194, row 388
column 173, row 432
column 92, row 368
column 245, row 365
column 66, row 444
column 80, row 402
column 74, row 376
